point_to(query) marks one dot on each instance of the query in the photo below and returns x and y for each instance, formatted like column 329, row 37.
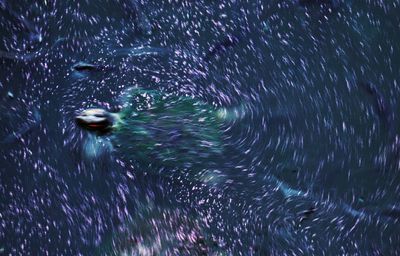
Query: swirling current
column 311, row 166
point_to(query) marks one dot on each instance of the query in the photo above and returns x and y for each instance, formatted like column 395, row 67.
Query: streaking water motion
column 300, row 161
column 161, row 129
column 25, row 129
column 35, row 35
column 141, row 21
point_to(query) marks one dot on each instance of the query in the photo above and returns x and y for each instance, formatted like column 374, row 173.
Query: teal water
column 312, row 168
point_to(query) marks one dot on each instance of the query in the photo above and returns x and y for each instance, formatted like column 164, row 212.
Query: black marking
column 391, row 212
column 307, row 214
column 87, row 67
column 228, row 42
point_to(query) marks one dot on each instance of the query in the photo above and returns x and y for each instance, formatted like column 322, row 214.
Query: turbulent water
column 311, row 168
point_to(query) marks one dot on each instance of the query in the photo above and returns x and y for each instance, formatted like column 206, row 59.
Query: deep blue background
column 312, row 126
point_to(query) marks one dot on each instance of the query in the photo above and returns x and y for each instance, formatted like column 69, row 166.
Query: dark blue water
column 312, row 167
